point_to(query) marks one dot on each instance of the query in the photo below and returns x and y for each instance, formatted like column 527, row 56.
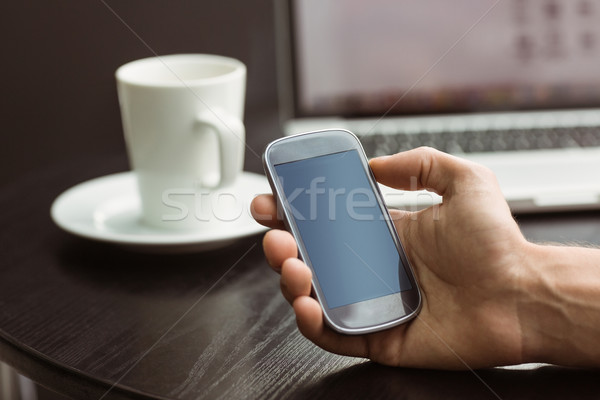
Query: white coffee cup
column 182, row 119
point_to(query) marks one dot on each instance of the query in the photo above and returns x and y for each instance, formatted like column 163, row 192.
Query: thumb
column 422, row 168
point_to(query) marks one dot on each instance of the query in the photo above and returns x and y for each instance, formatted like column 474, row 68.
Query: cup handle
column 230, row 133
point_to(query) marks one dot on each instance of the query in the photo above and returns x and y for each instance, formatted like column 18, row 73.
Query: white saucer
column 107, row 209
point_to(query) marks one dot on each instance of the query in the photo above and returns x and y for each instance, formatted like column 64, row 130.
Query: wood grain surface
column 81, row 317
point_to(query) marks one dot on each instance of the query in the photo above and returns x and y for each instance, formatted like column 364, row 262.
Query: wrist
column 559, row 305
column 531, row 302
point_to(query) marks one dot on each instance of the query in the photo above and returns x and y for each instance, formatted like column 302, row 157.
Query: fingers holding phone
column 332, row 206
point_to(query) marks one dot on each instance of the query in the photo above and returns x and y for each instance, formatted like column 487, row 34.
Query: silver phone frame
column 388, row 306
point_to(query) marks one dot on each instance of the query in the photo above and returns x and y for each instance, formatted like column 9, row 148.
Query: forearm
column 559, row 310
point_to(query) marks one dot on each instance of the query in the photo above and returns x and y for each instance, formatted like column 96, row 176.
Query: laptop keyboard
column 483, row 141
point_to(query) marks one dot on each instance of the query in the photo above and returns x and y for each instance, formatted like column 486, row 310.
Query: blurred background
column 59, row 99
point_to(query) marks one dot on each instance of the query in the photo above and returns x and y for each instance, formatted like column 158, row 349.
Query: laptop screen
column 360, row 58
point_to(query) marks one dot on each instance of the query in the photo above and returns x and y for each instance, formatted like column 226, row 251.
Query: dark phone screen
column 343, row 228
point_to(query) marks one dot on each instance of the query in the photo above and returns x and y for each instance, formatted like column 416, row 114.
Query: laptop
column 512, row 84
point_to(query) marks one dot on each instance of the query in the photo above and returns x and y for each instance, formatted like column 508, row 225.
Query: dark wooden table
column 92, row 321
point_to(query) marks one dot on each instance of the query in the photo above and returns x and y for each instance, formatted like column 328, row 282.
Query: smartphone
column 330, row 202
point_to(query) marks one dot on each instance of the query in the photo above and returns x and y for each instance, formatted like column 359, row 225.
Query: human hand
column 467, row 254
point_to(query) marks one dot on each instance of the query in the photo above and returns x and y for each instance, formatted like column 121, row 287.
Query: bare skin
column 489, row 296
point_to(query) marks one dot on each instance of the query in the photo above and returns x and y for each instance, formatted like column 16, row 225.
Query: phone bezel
column 364, row 316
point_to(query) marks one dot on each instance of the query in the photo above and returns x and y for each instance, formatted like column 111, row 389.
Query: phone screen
column 343, row 228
